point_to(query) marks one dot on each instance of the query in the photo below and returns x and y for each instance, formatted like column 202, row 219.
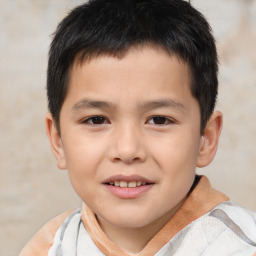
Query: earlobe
column 209, row 140
column 55, row 141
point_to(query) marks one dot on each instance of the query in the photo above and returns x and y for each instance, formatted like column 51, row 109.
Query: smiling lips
column 128, row 187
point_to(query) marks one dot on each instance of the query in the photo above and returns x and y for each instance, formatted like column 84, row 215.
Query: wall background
column 32, row 189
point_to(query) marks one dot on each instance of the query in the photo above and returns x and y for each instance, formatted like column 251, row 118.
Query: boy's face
column 131, row 121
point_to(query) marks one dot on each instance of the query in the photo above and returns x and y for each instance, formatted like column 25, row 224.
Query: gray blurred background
column 32, row 189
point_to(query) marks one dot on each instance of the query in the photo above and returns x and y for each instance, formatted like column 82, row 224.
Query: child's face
column 130, row 121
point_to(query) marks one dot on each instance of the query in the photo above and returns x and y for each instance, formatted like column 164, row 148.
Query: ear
column 209, row 140
column 55, row 141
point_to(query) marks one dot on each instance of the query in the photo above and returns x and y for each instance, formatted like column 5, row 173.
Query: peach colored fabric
column 42, row 241
column 202, row 199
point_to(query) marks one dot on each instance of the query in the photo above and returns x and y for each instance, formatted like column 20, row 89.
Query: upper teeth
column 125, row 184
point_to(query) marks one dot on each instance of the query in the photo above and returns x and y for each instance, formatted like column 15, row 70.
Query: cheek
column 82, row 151
column 82, row 165
column 83, row 159
column 176, row 151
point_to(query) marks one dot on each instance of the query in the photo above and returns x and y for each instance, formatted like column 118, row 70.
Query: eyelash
column 90, row 119
column 166, row 120
column 103, row 120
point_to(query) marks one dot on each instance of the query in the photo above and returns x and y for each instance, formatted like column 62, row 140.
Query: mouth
column 129, row 184
column 128, row 187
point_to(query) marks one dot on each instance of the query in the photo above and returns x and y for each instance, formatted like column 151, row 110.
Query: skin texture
column 129, row 94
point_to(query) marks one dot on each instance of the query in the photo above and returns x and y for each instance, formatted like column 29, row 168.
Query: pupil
column 98, row 120
column 159, row 120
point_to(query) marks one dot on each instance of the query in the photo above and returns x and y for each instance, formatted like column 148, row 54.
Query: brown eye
column 96, row 120
column 159, row 120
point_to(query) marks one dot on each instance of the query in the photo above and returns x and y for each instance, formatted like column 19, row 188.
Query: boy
column 132, row 87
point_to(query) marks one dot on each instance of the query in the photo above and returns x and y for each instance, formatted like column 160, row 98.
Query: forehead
column 140, row 72
column 149, row 51
column 143, row 55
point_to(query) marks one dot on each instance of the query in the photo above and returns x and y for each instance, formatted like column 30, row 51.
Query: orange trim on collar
column 42, row 241
column 201, row 200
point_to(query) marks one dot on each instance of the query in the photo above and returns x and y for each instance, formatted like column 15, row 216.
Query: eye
column 160, row 120
column 96, row 120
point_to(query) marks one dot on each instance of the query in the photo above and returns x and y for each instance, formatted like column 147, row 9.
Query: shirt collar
column 201, row 199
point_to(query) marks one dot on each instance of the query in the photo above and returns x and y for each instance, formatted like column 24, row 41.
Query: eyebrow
column 86, row 103
column 148, row 105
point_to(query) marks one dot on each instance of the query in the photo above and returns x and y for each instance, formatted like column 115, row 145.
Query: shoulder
column 41, row 242
column 237, row 219
column 231, row 230
column 227, row 229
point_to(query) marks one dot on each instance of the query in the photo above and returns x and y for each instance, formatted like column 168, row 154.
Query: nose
column 128, row 146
